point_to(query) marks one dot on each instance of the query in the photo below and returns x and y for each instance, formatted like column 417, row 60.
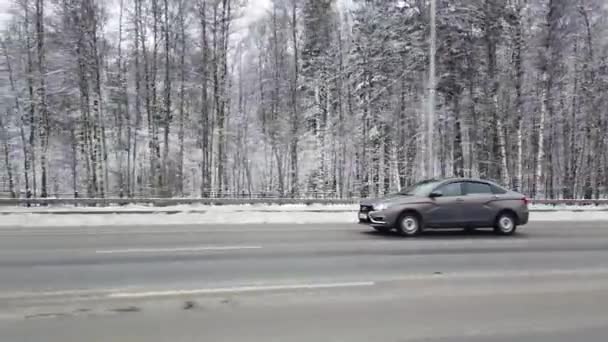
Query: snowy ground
column 243, row 214
column 185, row 209
column 195, row 208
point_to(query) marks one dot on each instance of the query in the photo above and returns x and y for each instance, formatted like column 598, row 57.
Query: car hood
column 393, row 199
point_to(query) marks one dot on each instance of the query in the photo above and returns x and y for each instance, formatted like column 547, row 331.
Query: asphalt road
column 302, row 283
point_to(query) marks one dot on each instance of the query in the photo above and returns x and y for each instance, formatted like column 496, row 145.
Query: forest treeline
column 200, row 97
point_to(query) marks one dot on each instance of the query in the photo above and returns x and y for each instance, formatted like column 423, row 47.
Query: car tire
column 383, row 230
column 505, row 224
column 409, row 224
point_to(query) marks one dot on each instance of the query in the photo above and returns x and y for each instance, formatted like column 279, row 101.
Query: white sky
column 255, row 9
column 4, row 15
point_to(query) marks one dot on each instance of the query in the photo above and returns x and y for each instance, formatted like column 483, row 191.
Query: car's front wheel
column 409, row 224
column 505, row 224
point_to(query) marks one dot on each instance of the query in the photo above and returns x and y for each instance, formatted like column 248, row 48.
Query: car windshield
column 420, row 189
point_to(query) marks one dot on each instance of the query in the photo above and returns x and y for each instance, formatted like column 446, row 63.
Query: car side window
column 451, row 190
column 478, row 189
column 498, row 190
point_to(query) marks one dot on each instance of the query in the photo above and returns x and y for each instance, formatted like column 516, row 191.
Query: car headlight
column 381, row 207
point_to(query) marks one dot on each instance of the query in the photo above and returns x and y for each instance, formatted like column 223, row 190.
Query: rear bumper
column 524, row 217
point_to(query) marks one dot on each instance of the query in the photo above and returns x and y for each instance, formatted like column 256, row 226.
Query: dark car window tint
column 478, row 189
column 451, row 190
column 420, row 189
column 498, row 190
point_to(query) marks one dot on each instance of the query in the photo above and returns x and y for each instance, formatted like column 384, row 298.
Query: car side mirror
column 436, row 194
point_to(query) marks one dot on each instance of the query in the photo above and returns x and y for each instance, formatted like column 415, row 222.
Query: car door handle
column 459, row 200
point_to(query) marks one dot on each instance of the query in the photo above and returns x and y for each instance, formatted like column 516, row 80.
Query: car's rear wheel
column 505, row 224
column 409, row 224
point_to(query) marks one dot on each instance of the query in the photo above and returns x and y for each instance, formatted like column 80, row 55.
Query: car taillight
column 526, row 200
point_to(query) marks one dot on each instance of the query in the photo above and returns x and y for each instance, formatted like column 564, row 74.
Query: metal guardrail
column 582, row 202
column 209, row 194
column 166, row 202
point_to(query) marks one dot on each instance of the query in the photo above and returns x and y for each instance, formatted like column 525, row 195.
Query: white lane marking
column 177, row 250
column 63, row 293
column 240, row 289
column 16, row 295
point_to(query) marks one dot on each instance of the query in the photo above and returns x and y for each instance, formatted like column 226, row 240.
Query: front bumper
column 373, row 218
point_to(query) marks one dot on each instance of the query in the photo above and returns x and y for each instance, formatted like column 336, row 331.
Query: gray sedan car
column 452, row 203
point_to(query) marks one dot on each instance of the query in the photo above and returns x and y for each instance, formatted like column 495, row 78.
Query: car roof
column 475, row 180
column 461, row 179
column 456, row 179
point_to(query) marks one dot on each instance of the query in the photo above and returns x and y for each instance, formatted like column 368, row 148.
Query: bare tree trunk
column 402, row 161
column 7, row 158
column 167, row 93
column 340, row 81
column 182, row 90
column 41, row 92
column 85, row 135
column 204, row 119
column 87, row 144
column 150, row 73
column 216, row 93
column 74, row 165
column 502, row 145
column 546, row 97
column 138, row 117
column 366, row 172
column 571, row 153
column 539, row 190
column 97, row 108
column 158, row 180
column 220, row 89
column 32, row 101
column 492, row 34
column 124, row 183
column 22, row 118
column 294, row 104
column 458, row 150
column 596, row 118
column 519, row 75
column 476, row 168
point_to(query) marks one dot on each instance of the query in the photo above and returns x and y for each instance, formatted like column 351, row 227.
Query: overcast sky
column 254, row 10
column 4, row 6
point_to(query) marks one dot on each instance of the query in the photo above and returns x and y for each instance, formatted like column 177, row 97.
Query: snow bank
column 570, row 216
column 561, row 207
column 211, row 217
column 295, row 214
column 197, row 208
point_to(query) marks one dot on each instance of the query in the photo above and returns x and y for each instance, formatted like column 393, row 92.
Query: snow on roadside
column 225, row 215
column 248, row 207
column 207, row 218
column 569, row 216
column 188, row 208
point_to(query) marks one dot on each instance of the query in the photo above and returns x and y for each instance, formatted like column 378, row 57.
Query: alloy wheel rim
column 409, row 225
column 506, row 224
